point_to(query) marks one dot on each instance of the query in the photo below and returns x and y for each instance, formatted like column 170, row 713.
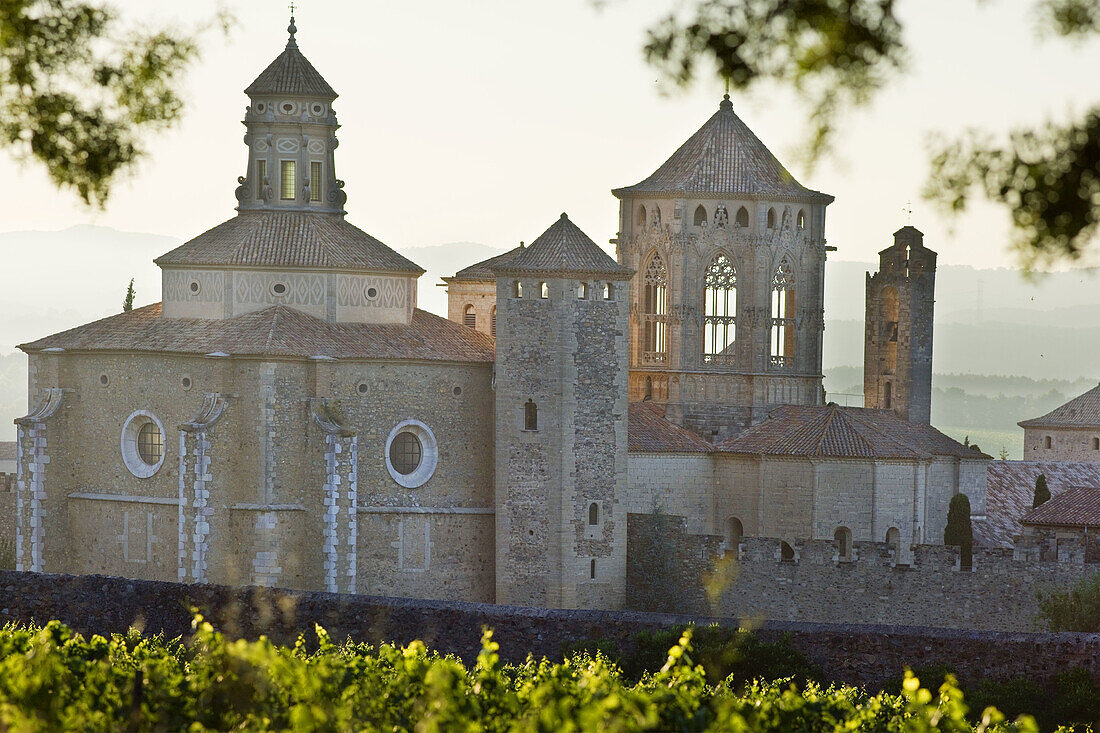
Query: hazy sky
column 482, row 121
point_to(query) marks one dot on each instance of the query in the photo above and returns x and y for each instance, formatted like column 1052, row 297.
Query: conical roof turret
column 725, row 157
column 292, row 74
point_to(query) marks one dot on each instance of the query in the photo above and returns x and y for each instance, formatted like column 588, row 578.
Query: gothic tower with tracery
column 727, row 314
column 897, row 352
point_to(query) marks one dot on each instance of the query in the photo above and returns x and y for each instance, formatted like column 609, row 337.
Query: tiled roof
column 276, row 331
column 843, row 432
column 484, row 270
column 1010, row 487
column 1076, row 507
column 1080, row 412
column 564, row 248
column 725, row 157
column 7, row 450
column 291, row 73
column 289, row 239
column 649, row 432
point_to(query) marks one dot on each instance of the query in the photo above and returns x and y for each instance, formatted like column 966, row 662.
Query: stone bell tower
column 897, row 352
column 563, row 309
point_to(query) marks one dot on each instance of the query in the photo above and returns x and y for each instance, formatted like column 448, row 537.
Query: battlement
column 809, row 580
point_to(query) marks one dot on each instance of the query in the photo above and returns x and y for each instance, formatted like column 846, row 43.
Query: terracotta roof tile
column 1010, row 487
column 291, row 73
column 843, row 432
column 1076, row 507
column 483, row 270
column 289, row 239
column 564, row 248
column 276, row 331
column 725, row 157
column 1080, row 412
column 649, row 432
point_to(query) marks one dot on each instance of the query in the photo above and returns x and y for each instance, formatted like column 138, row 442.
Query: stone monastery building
column 287, row 416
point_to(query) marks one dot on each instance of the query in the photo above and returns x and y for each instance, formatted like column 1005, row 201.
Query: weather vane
column 908, row 209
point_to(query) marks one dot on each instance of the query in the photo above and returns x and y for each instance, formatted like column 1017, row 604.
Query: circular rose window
column 143, row 444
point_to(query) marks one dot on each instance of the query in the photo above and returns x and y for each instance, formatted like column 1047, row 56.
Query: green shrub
column 52, row 679
column 1076, row 608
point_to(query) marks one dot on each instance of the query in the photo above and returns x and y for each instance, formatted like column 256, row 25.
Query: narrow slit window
column 593, row 514
column 592, row 570
column 287, row 181
column 530, row 416
column 517, row 289
column 493, row 321
column 261, row 178
column 315, row 181
column 544, row 290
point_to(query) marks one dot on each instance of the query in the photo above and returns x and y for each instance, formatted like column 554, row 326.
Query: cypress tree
column 128, row 301
column 1042, row 493
column 959, row 532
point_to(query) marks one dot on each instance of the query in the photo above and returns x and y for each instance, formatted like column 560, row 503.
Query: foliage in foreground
column 53, row 679
column 1076, row 608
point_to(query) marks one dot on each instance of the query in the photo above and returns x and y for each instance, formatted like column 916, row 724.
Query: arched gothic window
column 719, row 311
column 469, row 317
column 641, row 220
column 800, row 222
column 782, row 321
column 655, row 311
column 771, row 218
column 700, row 216
column 742, row 217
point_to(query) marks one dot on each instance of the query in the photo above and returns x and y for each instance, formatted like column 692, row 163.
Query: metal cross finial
column 292, row 10
column 908, row 209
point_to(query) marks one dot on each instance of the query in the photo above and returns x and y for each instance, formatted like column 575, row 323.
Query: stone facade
column 473, row 303
column 1077, row 445
column 897, row 348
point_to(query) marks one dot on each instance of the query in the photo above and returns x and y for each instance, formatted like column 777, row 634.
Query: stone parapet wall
column 998, row 593
column 870, row 655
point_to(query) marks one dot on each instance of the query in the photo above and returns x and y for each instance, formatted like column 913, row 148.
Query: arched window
column 700, row 216
column 469, row 317
column 530, row 416
column 786, row 552
column 493, row 321
column 771, row 218
column 893, row 538
column 742, row 217
column 655, row 311
column 592, row 569
column 888, row 395
column 640, row 221
column 734, row 532
column 648, row 388
column 517, row 289
column 782, row 321
column 593, row 514
column 719, row 311
column 608, row 291
column 582, row 291
column 842, row 537
column 801, row 220
column 1048, row 443
column 544, row 290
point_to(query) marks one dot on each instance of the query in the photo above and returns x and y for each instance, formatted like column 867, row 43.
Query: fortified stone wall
column 998, row 593
column 7, row 521
column 867, row 655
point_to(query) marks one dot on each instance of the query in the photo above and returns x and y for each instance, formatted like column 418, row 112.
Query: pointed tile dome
column 292, row 74
column 564, row 248
column 725, row 157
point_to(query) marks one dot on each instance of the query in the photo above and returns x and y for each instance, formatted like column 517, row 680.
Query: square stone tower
column 897, row 351
column 561, row 410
